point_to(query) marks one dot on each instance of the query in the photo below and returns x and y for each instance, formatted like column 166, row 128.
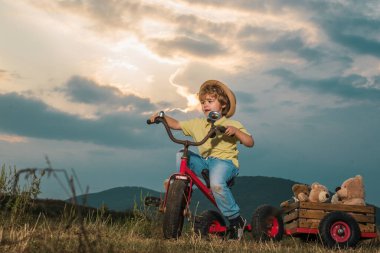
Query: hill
column 119, row 198
column 249, row 192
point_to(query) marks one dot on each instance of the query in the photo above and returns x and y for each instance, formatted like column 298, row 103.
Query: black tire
column 339, row 230
column 174, row 212
column 267, row 224
column 207, row 220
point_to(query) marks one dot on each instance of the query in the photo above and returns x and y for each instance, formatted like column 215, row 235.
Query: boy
column 219, row 155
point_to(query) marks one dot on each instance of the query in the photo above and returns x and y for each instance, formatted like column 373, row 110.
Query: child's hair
column 217, row 92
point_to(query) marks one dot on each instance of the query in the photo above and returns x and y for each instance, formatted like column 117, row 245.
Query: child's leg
column 195, row 162
column 222, row 171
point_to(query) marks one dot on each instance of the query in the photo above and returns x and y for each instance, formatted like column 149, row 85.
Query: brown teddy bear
column 351, row 192
column 301, row 193
column 319, row 193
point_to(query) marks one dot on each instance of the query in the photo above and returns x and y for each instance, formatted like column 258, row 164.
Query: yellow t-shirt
column 222, row 146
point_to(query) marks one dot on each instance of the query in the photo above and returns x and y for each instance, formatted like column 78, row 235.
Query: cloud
column 83, row 90
column 204, row 47
column 339, row 32
column 3, row 74
column 277, row 41
column 181, row 33
column 349, row 87
column 12, row 138
column 33, row 118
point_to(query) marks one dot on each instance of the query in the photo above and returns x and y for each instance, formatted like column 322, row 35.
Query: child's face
column 210, row 103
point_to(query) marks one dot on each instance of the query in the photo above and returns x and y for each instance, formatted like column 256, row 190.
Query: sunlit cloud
column 183, row 91
column 12, row 138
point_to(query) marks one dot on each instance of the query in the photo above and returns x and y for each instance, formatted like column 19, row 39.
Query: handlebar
column 214, row 129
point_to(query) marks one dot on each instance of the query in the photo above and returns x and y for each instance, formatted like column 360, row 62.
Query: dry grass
column 29, row 225
column 139, row 234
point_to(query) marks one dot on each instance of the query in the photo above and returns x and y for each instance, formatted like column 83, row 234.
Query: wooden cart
column 335, row 224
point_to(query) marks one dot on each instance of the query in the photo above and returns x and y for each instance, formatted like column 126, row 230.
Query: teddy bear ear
column 315, row 184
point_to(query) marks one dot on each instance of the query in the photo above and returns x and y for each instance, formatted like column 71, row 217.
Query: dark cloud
column 348, row 87
column 245, row 102
column 33, row 118
column 306, row 8
column 376, row 80
column 80, row 89
column 204, row 47
column 274, row 42
column 349, row 25
column 244, row 97
column 195, row 34
column 108, row 15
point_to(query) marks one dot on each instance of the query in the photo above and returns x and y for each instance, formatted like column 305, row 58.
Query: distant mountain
column 249, row 192
column 119, row 198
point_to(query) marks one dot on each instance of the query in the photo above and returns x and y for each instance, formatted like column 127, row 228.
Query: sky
column 79, row 78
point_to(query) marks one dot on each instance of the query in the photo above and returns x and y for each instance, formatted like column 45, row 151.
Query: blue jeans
column 220, row 172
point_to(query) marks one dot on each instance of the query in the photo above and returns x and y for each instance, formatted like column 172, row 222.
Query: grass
column 140, row 233
column 30, row 225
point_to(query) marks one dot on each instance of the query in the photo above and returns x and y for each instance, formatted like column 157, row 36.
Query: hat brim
column 229, row 93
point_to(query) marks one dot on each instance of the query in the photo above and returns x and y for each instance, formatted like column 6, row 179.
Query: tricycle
column 266, row 222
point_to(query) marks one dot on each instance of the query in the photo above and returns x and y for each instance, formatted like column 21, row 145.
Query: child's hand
column 154, row 116
column 230, row 131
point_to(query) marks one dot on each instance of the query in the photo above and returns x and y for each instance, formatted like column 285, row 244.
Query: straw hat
column 229, row 93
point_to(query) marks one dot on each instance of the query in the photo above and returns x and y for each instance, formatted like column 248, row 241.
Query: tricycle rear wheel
column 210, row 222
column 174, row 211
column 267, row 224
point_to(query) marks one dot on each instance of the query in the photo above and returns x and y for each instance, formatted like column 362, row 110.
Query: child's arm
column 172, row 123
column 245, row 139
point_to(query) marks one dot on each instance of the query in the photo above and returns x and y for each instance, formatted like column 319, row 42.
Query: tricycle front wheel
column 174, row 211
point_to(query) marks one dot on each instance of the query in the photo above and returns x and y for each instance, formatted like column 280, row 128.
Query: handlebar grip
column 156, row 121
column 222, row 129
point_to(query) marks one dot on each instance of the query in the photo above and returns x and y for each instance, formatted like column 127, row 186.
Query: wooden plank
column 320, row 214
column 312, row 214
column 291, row 225
column 312, row 223
column 291, row 207
column 291, row 216
column 336, row 207
column 308, row 223
column 367, row 228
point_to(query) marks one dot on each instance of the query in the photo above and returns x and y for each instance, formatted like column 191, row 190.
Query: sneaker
column 236, row 229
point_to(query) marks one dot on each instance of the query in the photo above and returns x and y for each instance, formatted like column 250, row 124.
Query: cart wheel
column 210, row 222
column 339, row 230
column 267, row 224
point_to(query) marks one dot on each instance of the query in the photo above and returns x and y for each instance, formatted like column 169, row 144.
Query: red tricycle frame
column 186, row 174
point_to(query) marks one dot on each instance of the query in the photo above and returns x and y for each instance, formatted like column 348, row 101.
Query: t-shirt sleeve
column 187, row 126
column 240, row 126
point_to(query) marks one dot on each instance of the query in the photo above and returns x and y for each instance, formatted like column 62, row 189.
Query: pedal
column 152, row 201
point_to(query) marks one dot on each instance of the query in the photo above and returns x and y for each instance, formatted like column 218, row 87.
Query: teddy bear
column 319, row 193
column 351, row 192
column 300, row 192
